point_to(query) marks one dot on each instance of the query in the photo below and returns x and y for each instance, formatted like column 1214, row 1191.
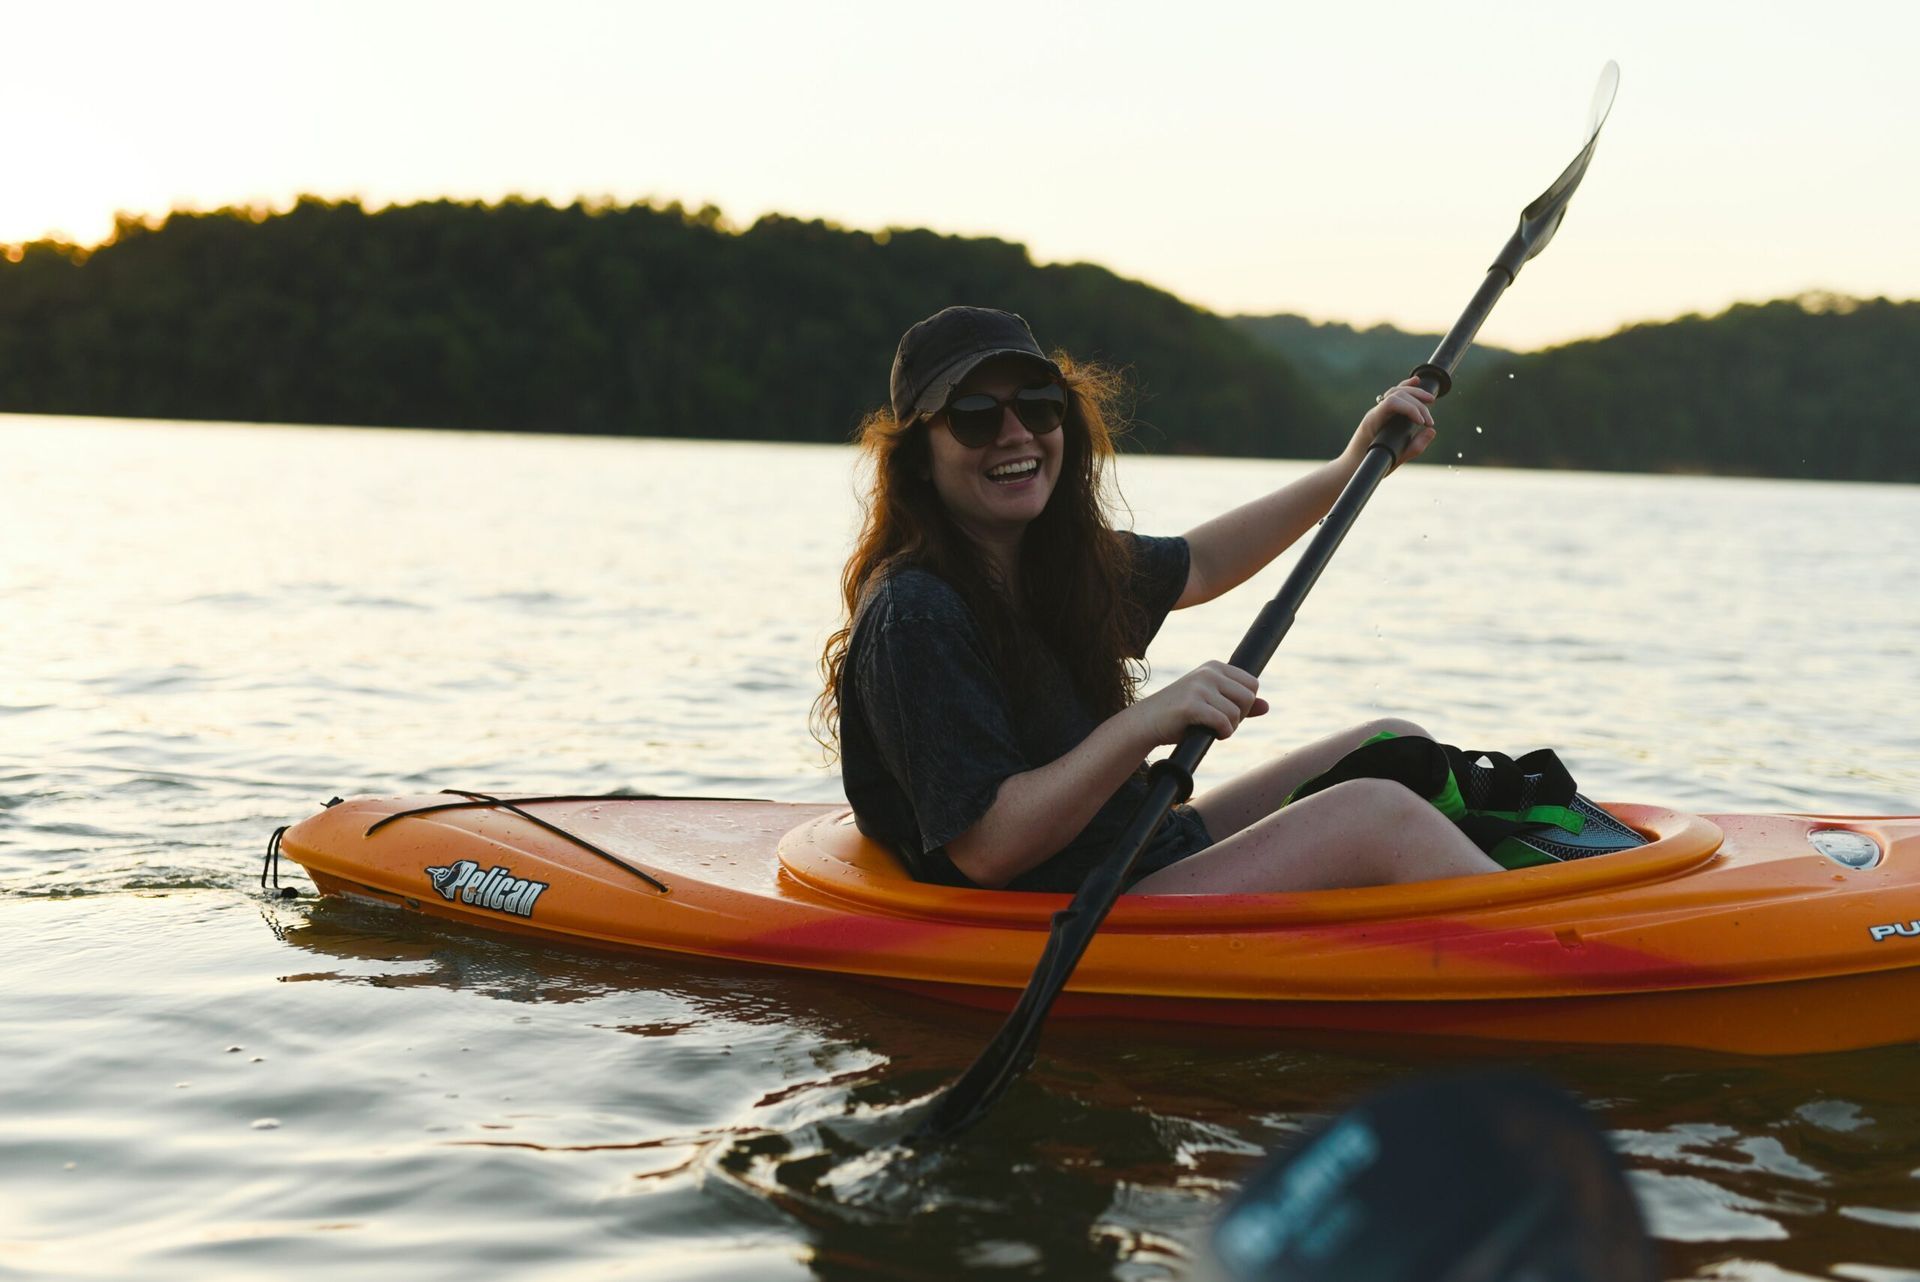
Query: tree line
column 658, row 320
column 1813, row 386
column 637, row 319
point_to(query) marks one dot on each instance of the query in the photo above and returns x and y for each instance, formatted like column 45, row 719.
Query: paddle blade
column 1490, row 1178
column 1541, row 219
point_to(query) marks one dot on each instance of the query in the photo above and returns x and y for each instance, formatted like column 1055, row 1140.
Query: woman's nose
column 1012, row 430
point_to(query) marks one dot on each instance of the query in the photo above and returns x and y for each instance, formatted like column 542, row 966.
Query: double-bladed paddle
column 1011, row 1050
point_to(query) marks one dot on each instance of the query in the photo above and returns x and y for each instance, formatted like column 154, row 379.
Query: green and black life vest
column 1521, row 811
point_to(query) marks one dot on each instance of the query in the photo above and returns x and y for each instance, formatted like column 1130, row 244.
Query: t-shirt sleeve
column 1160, row 566
column 939, row 718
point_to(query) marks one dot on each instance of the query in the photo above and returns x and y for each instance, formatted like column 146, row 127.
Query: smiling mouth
column 1014, row 472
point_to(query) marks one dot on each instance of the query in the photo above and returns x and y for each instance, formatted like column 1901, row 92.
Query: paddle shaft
column 1011, row 1050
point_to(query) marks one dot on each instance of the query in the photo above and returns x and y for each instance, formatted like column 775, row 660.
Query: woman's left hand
column 1407, row 398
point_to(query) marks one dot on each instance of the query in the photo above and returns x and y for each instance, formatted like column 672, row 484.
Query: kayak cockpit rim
column 828, row 856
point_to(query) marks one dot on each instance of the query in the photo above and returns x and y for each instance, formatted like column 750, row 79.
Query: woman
column 981, row 692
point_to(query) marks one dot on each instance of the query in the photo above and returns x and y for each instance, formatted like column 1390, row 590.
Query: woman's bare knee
column 1399, row 727
column 1402, row 837
column 1387, row 802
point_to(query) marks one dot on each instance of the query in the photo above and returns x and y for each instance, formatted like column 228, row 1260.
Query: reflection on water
column 229, row 626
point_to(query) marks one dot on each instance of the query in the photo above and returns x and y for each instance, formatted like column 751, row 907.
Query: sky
column 1355, row 162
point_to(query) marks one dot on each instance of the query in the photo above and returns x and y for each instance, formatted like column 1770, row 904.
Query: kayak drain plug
column 1845, row 847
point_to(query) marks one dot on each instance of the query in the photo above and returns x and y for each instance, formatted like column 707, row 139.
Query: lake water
column 207, row 631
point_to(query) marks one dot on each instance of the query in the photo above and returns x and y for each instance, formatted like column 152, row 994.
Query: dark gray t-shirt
column 928, row 731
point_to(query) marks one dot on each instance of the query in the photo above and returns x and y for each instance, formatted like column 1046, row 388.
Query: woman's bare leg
column 1364, row 832
column 1245, row 800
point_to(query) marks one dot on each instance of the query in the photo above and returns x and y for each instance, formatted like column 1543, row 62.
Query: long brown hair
column 1073, row 567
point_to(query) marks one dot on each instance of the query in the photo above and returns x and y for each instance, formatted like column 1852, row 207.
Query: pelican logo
column 497, row 888
column 1908, row 928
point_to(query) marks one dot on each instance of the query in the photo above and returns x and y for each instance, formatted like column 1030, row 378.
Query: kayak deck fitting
column 1732, row 932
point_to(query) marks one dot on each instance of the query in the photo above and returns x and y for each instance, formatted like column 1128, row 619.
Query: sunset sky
column 1358, row 162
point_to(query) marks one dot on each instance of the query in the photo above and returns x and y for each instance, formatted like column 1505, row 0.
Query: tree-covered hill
column 1815, row 386
column 612, row 319
column 1803, row 387
column 1349, row 366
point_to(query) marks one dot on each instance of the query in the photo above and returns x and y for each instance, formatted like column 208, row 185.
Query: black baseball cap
column 945, row 347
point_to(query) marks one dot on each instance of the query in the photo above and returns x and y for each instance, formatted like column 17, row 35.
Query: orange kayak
column 1756, row 934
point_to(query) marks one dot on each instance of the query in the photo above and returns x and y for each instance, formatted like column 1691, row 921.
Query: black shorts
column 1183, row 834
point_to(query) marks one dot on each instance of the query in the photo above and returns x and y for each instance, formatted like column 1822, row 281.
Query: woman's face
column 993, row 492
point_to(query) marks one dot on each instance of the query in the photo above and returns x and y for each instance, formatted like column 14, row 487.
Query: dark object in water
column 1493, row 1177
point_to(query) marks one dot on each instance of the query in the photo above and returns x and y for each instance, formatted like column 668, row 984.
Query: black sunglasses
column 974, row 419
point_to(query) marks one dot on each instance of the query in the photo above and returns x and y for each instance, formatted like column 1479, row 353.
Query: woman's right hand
column 1214, row 695
column 1405, row 398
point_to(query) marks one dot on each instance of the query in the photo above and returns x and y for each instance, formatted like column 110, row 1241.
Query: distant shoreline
column 590, row 319
column 12, row 417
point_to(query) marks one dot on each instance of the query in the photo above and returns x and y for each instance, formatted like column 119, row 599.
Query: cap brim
column 941, row 388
